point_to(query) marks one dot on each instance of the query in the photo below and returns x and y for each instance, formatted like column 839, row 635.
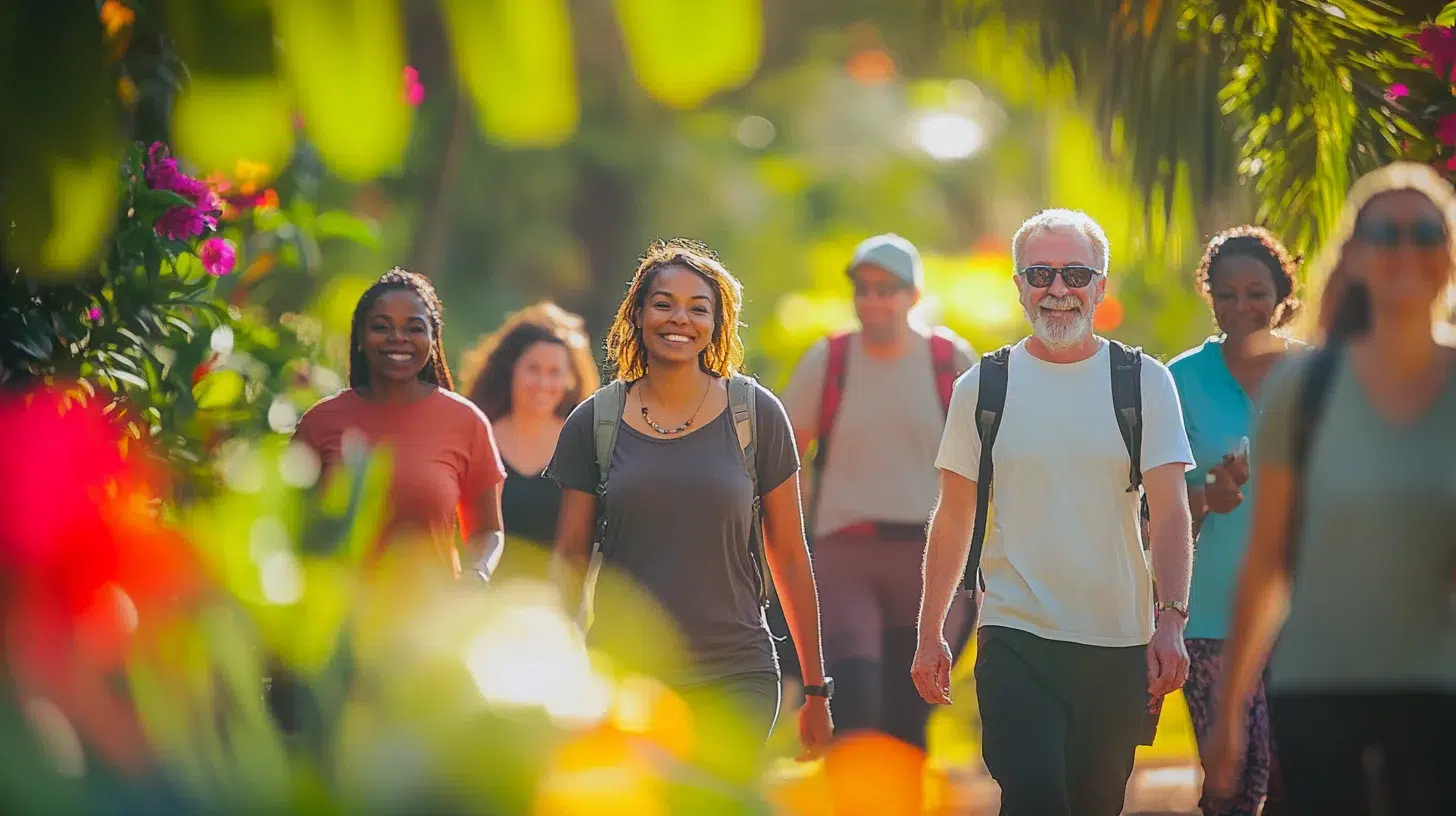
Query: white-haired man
column 1073, row 651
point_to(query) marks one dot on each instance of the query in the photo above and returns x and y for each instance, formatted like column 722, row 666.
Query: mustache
column 1065, row 302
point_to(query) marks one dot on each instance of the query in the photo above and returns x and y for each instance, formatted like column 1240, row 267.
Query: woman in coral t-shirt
column 446, row 470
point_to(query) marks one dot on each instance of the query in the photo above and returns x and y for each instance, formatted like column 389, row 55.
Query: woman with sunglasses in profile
column 1351, row 563
column 528, row 376
column 1248, row 279
column 677, row 507
column 446, row 473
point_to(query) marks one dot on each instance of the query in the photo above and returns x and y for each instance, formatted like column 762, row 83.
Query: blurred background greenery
column 514, row 150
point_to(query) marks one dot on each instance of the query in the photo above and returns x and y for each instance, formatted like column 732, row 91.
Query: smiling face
column 678, row 316
column 540, row 379
column 1061, row 317
column 397, row 337
column 1243, row 293
column 1401, row 251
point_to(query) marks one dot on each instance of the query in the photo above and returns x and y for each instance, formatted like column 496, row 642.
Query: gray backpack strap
column 743, row 402
column 607, row 406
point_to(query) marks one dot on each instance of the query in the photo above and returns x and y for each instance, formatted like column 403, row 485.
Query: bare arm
column 485, row 538
column 946, row 552
column 1172, row 530
column 793, row 576
column 575, row 526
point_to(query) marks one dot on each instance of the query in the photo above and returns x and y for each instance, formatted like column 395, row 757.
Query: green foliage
column 1286, row 96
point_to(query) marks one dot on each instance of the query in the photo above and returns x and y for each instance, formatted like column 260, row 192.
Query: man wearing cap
column 874, row 400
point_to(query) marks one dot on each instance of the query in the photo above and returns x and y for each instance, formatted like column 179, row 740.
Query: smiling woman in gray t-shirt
column 679, row 509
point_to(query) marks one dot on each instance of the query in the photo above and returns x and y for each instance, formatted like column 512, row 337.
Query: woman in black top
column 527, row 377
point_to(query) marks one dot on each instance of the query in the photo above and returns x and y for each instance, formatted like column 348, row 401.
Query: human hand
column 1223, row 759
column 816, row 728
column 1167, row 656
column 1237, row 463
column 931, row 671
column 1221, row 493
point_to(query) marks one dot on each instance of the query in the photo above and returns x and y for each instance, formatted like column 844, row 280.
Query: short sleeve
column 1273, row 438
column 960, row 444
column 1183, row 370
column 484, row 468
column 574, row 464
column 1164, row 439
column 778, row 458
column 307, row 430
column 805, row 390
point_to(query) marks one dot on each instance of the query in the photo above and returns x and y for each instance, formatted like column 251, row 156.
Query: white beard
column 1059, row 334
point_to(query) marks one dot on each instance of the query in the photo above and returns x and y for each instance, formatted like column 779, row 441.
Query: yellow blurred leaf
column 83, row 202
column 345, row 61
column 220, row 389
column 221, row 121
column 516, row 60
column 683, row 53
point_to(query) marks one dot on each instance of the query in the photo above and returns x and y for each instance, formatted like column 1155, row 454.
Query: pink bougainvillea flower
column 1451, row 163
column 181, row 222
column 94, row 314
column 1439, row 46
column 1397, row 91
column 218, row 256
column 1446, row 129
column 414, row 92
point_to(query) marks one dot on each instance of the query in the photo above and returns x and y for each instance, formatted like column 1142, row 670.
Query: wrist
column 1171, row 613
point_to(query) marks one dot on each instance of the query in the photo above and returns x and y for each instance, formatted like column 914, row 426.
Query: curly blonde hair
column 626, row 353
column 492, row 362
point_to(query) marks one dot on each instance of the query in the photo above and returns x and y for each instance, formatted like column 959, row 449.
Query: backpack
column 943, row 365
column 1127, row 402
column 607, row 408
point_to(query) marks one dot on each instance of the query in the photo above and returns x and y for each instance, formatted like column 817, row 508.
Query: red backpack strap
column 833, row 393
column 943, row 360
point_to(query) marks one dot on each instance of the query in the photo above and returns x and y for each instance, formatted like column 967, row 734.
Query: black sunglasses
column 1425, row 233
column 1076, row 276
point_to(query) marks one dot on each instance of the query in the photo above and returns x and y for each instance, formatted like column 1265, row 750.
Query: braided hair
column 436, row 370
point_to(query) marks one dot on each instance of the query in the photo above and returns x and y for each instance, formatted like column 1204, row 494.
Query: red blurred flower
column 1438, row 44
column 414, row 92
column 88, row 565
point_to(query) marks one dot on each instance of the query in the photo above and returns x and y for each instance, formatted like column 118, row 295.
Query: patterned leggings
column 1205, row 661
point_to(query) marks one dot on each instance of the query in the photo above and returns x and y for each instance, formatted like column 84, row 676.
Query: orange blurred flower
column 116, row 21
column 872, row 66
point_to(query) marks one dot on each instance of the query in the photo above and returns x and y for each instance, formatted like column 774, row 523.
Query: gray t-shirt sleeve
column 1273, row 438
column 778, row 458
column 806, row 388
column 574, row 464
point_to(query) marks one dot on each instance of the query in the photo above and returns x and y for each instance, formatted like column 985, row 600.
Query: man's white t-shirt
column 1063, row 556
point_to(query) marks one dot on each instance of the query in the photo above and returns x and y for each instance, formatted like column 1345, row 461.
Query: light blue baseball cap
column 893, row 254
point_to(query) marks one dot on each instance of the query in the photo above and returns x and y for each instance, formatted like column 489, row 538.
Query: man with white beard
column 1073, row 652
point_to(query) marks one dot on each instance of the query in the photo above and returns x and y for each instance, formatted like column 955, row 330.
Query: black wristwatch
column 826, row 691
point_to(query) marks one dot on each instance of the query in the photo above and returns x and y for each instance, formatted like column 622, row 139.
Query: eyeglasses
column 1075, row 275
column 1424, row 233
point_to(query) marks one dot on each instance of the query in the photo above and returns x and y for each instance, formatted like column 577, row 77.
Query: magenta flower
column 182, row 222
column 1397, row 91
column 1439, row 46
column 94, row 315
column 218, row 256
column 414, row 92
column 1446, row 129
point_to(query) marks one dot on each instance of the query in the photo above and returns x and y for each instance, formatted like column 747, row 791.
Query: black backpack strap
column 995, row 373
column 1309, row 408
column 1127, row 404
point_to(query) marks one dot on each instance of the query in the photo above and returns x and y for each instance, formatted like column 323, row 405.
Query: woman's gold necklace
column 679, row 429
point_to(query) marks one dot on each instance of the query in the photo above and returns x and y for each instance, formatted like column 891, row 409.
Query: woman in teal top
column 1248, row 278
